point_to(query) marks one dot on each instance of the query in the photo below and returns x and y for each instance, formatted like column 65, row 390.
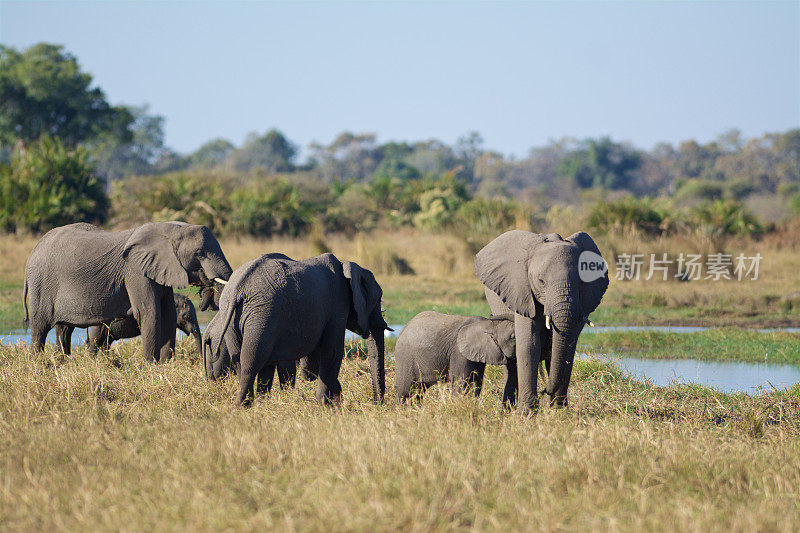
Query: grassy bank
column 111, row 442
column 726, row 344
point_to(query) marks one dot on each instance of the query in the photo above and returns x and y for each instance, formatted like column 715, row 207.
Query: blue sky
column 519, row 73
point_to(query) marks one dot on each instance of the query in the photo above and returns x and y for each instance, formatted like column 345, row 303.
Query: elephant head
column 537, row 276
column 187, row 319
column 488, row 340
column 366, row 320
column 177, row 254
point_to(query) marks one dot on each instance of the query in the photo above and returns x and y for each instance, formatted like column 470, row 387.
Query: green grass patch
column 723, row 344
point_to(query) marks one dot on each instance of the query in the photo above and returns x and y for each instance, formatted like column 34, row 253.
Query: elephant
column 275, row 308
column 126, row 328
column 287, row 370
column 80, row 275
column 435, row 347
column 538, row 278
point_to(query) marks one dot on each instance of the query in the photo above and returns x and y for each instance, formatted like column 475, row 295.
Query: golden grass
column 114, row 443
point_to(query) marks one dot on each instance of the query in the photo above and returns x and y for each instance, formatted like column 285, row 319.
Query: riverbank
column 723, row 344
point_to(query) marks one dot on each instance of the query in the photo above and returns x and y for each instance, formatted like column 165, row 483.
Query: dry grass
column 114, row 443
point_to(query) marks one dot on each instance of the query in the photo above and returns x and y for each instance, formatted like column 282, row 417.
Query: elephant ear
column 153, row 248
column 592, row 292
column 502, row 265
column 477, row 341
column 366, row 292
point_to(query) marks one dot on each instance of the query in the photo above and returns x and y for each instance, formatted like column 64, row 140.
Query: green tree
column 271, row 152
column 43, row 91
column 115, row 157
column 349, row 157
column 211, row 154
column 601, row 163
column 48, row 184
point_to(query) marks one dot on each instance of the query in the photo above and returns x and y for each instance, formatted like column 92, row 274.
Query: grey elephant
column 126, row 328
column 539, row 279
column 225, row 361
column 81, row 276
column 436, row 347
column 278, row 309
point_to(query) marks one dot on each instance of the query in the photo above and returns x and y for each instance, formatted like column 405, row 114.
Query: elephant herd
column 274, row 310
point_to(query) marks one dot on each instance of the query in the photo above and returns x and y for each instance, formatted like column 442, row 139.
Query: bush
column 724, row 218
column 699, row 190
column 48, row 185
column 197, row 198
column 642, row 214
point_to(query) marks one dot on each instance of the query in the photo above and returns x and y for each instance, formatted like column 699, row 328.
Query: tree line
column 55, row 124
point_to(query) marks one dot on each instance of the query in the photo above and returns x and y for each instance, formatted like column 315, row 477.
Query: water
column 750, row 378
column 723, row 376
column 673, row 329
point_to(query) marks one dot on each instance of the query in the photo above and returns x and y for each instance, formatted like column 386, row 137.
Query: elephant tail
column 26, row 319
column 229, row 312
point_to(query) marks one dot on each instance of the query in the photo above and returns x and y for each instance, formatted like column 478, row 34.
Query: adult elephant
column 279, row 309
column 126, row 328
column 224, row 361
column 81, row 276
column 537, row 278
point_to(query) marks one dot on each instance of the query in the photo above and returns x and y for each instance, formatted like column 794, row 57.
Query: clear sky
column 519, row 73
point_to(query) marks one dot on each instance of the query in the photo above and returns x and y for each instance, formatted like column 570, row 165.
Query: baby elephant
column 126, row 328
column 436, row 347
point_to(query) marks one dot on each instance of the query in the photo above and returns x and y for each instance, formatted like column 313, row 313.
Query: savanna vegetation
column 115, row 443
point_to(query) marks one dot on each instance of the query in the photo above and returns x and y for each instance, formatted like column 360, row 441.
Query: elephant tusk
column 547, row 321
column 589, row 322
column 220, row 280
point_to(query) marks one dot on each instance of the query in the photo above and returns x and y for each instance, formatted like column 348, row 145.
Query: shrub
column 723, row 218
column 48, row 185
column 643, row 214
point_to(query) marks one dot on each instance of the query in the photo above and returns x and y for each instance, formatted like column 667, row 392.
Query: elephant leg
column 476, row 378
column 287, row 372
column 403, row 381
column 64, row 338
column 39, row 331
column 255, row 354
column 529, row 352
column 309, row 367
column 330, row 354
column 99, row 338
column 462, row 373
column 169, row 325
column 264, row 379
column 510, row 384
column 145, row 298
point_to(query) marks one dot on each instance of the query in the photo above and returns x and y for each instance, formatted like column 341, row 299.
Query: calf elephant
column 81, row 276
column 538, row 278
column 126, row 328
column 278, row 309
column 436, row 347
column 224, row 361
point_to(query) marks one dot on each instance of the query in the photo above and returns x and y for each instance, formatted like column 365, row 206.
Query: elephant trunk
column 216, row 267
column 205, row 354
column 565, row 318
column 377, row 364
column 198, row 339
